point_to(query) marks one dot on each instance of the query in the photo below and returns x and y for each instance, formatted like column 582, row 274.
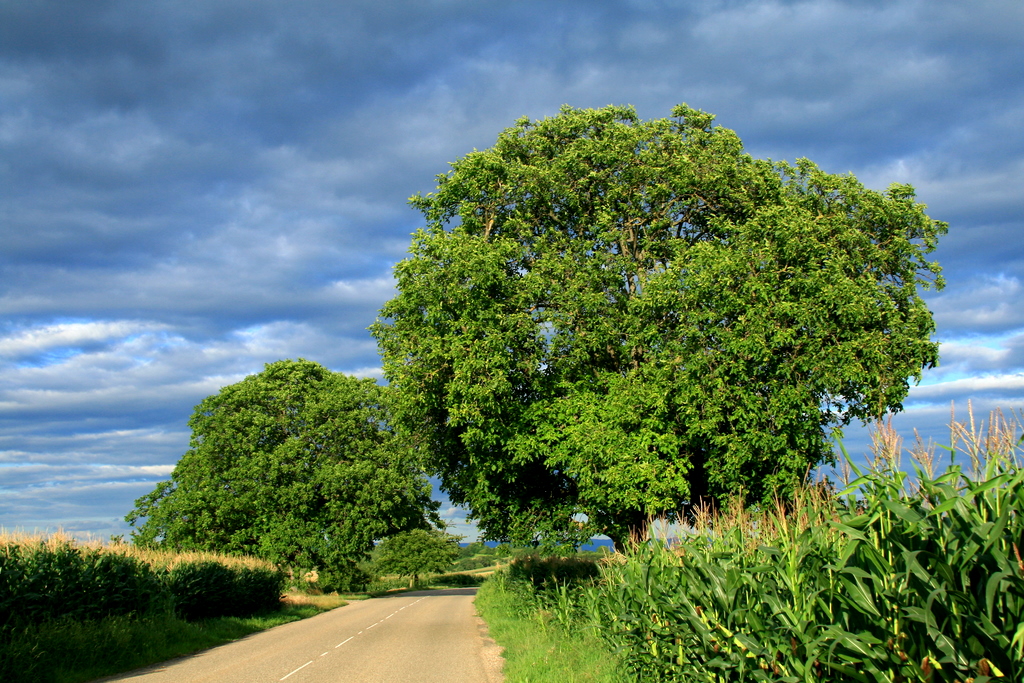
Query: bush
column 347, row 577
column 385, row 584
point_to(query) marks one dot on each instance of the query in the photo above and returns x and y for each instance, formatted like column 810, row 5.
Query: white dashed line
column 351, row 637
column 299, row 669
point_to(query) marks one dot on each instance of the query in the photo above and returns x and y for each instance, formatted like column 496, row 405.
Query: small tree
column 416, row 552
column 296, row 465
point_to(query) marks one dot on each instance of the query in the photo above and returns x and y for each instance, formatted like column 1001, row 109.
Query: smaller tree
column 296, row 464
column 416, row 552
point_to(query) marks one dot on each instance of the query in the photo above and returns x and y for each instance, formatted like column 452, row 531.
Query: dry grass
column 158, row 559
column 324, row 602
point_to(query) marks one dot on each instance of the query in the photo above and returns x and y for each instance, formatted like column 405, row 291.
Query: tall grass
column 543, row 630
column 896, row 578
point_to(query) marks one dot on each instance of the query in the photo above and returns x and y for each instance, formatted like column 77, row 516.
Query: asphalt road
column 419, row 637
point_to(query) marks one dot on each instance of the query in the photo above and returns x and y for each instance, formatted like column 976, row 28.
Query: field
column 893, row 574
column 72, row 611
column 895, row 577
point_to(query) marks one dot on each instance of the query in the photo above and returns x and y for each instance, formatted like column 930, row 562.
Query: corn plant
column 46, row 579
column 896, row 578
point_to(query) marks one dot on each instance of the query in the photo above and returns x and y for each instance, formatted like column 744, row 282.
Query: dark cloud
column 188, row 191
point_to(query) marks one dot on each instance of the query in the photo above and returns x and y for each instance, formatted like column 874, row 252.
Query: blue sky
column 190, row 190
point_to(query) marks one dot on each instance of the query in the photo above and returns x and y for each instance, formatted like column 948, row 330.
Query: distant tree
column 295, row 464
column 475, row 555
column 416, row 552
column 608, row 319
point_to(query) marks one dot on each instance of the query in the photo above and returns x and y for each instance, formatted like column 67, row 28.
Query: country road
column 419, row 637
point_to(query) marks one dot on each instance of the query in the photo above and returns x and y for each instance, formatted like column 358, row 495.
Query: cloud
column 1009, row 386
column 981, row 303
column 188, row 192
column 71, row 337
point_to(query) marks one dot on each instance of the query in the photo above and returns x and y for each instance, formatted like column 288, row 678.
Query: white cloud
column 38, row 339
column 1011, row 385
column 982, row 303
column 372, row 290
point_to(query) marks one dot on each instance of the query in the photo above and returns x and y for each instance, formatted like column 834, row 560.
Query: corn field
column 44, row 579
column 897, row 577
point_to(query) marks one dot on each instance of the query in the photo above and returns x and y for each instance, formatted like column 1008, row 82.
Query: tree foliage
column 614, row 318
column 415, row 552
column 295, row 464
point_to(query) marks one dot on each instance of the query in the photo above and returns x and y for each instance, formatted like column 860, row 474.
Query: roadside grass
column 68, row 651
column 321, row 603
column 538, row 650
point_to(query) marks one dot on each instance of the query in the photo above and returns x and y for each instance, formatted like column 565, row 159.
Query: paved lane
column 420, row 637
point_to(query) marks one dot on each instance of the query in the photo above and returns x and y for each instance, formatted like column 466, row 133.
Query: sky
column 190, row 190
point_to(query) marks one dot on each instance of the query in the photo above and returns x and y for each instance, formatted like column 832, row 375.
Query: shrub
column 385, row 584
column 342, row 578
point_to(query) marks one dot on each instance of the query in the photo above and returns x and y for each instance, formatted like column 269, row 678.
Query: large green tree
column 295, row 464
column 607, row 319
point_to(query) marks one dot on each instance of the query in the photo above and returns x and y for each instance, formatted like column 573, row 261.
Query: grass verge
column 68, row 651
column 538, row 650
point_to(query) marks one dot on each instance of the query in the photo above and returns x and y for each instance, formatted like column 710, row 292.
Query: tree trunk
column 700, row 489
column 632, row 529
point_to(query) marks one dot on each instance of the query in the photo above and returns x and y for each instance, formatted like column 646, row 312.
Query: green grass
column 537, row 650
column 67, row 651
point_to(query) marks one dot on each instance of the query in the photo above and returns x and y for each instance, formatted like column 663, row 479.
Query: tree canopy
column 607, row 319
column 295, row 464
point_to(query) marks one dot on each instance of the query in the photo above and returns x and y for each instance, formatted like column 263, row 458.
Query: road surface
column 417, row 637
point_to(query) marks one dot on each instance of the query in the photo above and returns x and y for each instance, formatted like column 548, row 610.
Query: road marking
column 351, row 637
column 299, row 669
